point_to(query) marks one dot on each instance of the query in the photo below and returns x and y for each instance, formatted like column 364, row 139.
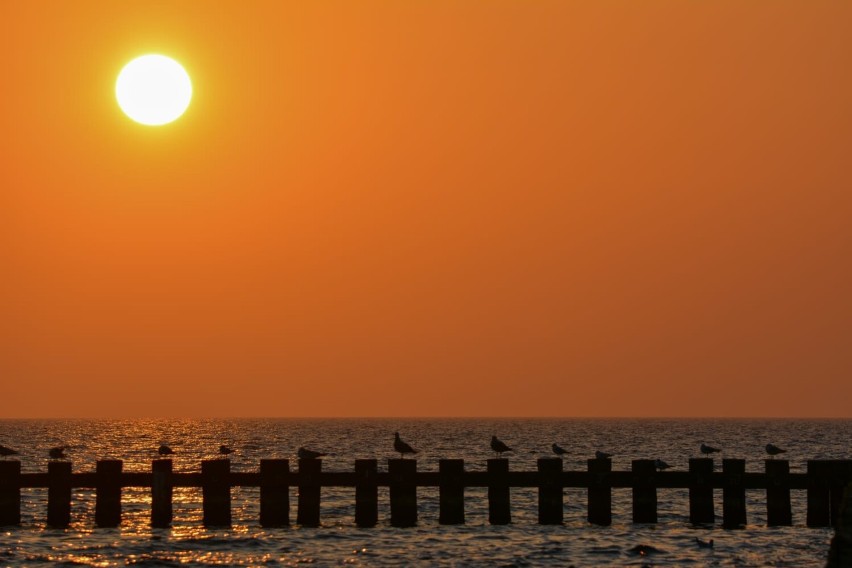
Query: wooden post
column 161, row 494
column 819, row 493
column 701, row 492
column 451, row 492
column 108, row 493
column 733, row 494
column 644, row 491
column 403, row 492
column 10, row 493
column 366, row 493
column 216, row 492
column 600, row 492
column 778, row 509
column 499, row 507
column 550, row 508
column 58, row 494
column 840, row 551
column 274, row 493
column 308, row 514
column 840, row 474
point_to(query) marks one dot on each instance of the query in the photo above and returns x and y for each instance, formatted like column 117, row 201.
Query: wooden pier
column 824, row 482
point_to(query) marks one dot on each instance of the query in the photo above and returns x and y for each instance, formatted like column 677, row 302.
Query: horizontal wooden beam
column 568, row 479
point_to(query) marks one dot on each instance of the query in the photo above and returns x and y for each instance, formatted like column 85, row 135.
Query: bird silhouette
column 402, row 447
column 164, row 450
column 225, row 450
column 557, row 450
column 774, row 450
column 707, row 450
column 307, row 454
column 499, row 447
column 599, row 455
column 661, row 465
column 4, row 452
column 57, row 453
column 704, row 543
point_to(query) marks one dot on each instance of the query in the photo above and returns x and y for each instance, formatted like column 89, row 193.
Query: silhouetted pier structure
column 824, row 482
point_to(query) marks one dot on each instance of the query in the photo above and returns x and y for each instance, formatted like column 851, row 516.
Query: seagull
column 4, row 451
column 306, row 454
column 57, row 453
column 599, row 455
column 225, row 450
column 661, row 465
column 707, row 450
column 402, row 447
column 704, row 543
column 499, row 447
column 164, row 450
column 774, row 450
column 558, row 451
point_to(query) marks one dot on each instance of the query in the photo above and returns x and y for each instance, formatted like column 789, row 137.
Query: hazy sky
column 443, row 208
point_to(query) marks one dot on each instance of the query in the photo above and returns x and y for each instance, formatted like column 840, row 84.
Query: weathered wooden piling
column 274, row 493
column 550, row 506
column 402, row 476
column 108, row 493
column 839, row 473
column 644, row 491
column 840, row 552
column 10, row 493
column 819, row 493
column 733, row 494
column 58, row 494
column 308, row 514
column 701, row 492
column 216, row 492
column 600, row 492
column 366, row 492
column 161, row 494
column 499, row 507
column 451, row 492
column 778, row 509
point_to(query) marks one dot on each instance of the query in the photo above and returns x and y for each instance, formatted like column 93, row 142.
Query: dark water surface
column 339, row 542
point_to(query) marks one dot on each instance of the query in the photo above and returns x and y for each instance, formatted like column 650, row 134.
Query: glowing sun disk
column 153, row 90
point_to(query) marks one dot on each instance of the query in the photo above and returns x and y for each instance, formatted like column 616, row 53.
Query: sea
column 338, row 542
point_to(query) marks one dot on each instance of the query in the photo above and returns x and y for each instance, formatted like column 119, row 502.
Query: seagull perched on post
column 402, row 447
column 558, row 451
column 661, row 465
column 774, row 450
column 499, row 447
column 225, row 450
column 57, row 453
column 306, row 454
column 164, row 450
column 4, row 452
column 707, row 450
column 599, row 455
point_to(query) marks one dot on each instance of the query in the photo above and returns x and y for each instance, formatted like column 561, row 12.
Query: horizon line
column 427, row 418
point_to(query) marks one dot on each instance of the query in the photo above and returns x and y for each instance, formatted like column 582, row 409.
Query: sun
column 153, row 90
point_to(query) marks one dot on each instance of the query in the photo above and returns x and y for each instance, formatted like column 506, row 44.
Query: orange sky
column 443, row 208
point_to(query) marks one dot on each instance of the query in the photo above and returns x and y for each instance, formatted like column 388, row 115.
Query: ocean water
column 339, row 542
